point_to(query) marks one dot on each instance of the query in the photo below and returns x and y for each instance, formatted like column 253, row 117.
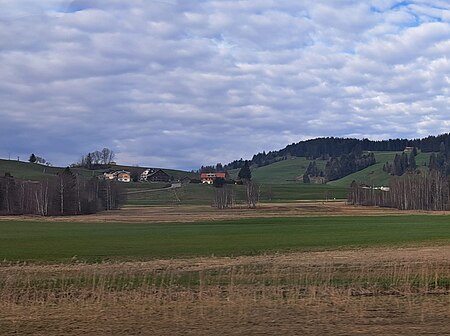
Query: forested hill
column 333, row 147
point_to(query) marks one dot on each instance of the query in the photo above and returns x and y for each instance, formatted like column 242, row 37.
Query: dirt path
column 171, row 187
column 193, row 213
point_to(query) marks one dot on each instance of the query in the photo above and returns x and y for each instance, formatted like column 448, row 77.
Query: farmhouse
column 155, row 175
column 120, row 175
column 109, row 175
column 209, row 177
column 123, row 176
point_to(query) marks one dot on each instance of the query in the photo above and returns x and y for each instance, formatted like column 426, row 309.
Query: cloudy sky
column 180, row 83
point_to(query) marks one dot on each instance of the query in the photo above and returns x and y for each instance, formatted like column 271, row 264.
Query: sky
column 184, row 83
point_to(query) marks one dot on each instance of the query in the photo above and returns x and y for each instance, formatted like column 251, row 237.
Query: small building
column 382, row 188
column 209, row 178
column 145, row 174
column 155, row 175
column 109, row 175
column 123, row 176
column 408, row 149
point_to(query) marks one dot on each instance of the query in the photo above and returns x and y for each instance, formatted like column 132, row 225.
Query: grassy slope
column 50, row 241
column 285, row 171
column 34, row 171
column 374, row 175
column 282, row 181
column 282, row 175
column 282, row 172
column 26, row 170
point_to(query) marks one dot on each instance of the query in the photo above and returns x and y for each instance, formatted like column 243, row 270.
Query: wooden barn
column 155, row 175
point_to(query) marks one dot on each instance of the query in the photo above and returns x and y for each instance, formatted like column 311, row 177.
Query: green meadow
column 42, row 241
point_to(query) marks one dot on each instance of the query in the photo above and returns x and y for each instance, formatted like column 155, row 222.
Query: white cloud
column 185, row 83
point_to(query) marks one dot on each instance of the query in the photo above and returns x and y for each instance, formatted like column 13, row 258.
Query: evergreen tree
column 68, row 195
column 412, row 162
column 306, row 178
column 219, row 182
column 245, row 173
column 442, row 148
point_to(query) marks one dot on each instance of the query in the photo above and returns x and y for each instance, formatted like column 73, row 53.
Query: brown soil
column 194, row 213
column 334, row 316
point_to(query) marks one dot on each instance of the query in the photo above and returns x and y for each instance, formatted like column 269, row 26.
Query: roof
column 156, row 171
column 217, row 174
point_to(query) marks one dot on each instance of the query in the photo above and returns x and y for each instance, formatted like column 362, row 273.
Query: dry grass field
column 403, row 291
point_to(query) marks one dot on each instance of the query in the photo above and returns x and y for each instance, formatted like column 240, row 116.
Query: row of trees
column 402, row 163
column 412, row 191
column 96, row 159
column 212, row 169
column 338, row 167
column 65, row 194
column 312, row 172
column 440, row 161
column 37, row 159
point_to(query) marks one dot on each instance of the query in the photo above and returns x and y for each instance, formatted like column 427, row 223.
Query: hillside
column 333, row 147
column 374, row 175
column 288, row 172
column 281, row 172
column 279, row 182
column 35, row 171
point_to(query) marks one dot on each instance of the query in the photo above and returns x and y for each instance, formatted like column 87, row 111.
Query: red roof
column 212, row 175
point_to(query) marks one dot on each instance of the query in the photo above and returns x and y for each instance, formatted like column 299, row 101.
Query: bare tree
column 251, row 189
column 223, row 197
column 107, row 156
column 66, row 194
column 429, row 191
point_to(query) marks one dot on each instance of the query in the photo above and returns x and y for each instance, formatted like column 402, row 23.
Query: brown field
column 192, row 213
column 404, row 291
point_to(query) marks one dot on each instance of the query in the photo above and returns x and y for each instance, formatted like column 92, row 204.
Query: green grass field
column 286, row 171
column 197, row 194
column 50, row 242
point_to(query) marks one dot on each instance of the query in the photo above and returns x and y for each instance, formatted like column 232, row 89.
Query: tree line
column 338, row 167
column 64, row 194
column 312, row 172
column 402, row 163
column 412, row 191
column 96, row 160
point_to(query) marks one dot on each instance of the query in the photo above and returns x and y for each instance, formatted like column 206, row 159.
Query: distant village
column 148, row 175
column 159, row 176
